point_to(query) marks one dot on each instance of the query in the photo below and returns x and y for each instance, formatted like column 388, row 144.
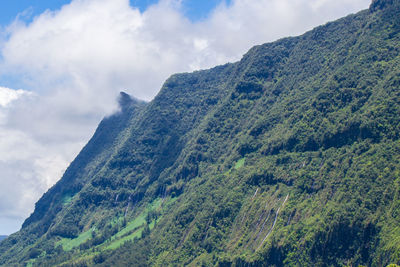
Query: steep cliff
column 290, row 156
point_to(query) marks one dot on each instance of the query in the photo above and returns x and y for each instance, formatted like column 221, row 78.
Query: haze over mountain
column 287, row 157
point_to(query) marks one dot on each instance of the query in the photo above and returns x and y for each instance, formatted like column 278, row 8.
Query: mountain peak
column 124, row 99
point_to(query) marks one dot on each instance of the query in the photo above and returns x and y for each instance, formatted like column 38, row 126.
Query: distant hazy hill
column 2, row 237
column 289, row 157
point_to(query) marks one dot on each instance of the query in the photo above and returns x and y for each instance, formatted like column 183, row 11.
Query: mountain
column 2, row 237
column 289, row 157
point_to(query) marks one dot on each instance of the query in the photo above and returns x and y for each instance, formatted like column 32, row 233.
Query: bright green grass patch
column 153, row 223
column 239, row 163
column 66, row 200
column 118, row 239
column 119, row 242
column 69, row 244
column 136, row 234
column 137, row 222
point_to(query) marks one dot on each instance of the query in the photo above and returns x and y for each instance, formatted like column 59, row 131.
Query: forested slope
column 290, row 156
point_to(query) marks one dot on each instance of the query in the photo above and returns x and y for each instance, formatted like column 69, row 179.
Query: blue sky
column 10, row 9
column 194, row 9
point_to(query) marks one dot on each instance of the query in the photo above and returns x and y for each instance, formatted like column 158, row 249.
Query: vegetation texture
column 289, row 157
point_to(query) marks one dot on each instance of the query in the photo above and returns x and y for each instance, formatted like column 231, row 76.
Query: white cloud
column 76, row 59
column 27, row 168
column 8, row 95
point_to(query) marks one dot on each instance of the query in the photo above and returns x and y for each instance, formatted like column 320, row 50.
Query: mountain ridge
column 288, row 157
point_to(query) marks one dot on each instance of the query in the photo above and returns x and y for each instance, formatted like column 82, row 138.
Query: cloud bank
column 75, row 60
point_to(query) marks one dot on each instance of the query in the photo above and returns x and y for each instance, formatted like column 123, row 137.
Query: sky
column 64, row 62
column 195, row 10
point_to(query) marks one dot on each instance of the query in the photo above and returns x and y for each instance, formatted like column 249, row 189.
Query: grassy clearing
column 137, row 222
column 239, row 163
column 136, row 234
column 119, row 242
column 69, row 244
column 132, row 230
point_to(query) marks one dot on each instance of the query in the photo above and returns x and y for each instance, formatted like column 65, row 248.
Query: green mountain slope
column 289, row 157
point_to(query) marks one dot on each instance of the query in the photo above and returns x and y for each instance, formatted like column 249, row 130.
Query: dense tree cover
column 289, row 157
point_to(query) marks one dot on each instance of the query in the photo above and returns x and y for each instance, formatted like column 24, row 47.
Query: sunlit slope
column 289, row 157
